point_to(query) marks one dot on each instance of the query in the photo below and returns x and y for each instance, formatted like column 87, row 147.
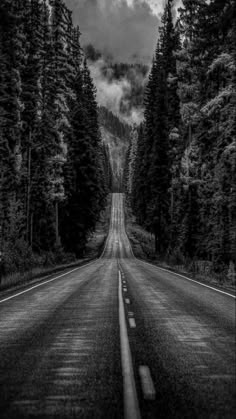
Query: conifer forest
column 117, row 209
column 181, row 164
column 54, row 167
column 180, row 170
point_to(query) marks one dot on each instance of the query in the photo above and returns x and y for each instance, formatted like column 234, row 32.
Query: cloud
column 135, row 116
column 125, row 28
column 122, row 31
column 120, row 87
column 110, row 92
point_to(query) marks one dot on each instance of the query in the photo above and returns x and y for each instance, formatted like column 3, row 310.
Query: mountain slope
column 116, row 135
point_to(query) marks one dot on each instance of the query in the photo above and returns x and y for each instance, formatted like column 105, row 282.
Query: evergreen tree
column 186, row 153
column 55, row 171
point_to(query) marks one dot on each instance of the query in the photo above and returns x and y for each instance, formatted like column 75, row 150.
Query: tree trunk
column 156, row 241
column 31, row 228
column 28, row 221
column 172, row 204
column 189, row 143
column 58, row 239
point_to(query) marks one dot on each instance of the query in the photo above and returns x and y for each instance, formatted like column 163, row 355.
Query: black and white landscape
column 117, row 209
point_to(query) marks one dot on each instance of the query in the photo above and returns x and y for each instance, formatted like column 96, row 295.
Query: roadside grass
column 17, row 279
column 49, row 264
column 143, row 246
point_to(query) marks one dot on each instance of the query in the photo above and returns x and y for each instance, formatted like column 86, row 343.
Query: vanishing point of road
column 117, row 338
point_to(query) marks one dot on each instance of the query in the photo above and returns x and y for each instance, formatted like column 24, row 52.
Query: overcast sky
column 127, row 29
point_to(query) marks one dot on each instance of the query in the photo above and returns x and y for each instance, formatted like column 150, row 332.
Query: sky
column 125, row 31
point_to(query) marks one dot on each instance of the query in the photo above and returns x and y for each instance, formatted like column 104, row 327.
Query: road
column 117, row 338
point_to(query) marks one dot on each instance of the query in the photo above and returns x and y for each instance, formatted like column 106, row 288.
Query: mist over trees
column 120, row 85
column 113, row 123
column 181, row 167
column 54, row 169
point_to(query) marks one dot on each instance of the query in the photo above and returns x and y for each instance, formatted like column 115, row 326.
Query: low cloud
column 126, row 29
column 120, row 87
column 119, row 31
column 110, row 92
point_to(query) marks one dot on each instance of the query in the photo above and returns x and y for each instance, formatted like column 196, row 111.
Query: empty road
column 117, row 338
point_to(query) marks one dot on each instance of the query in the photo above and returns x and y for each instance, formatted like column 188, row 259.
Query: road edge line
column 46, row 282
column 174, row 273
column 131, row 407
column 66, row 273
column 186, row 277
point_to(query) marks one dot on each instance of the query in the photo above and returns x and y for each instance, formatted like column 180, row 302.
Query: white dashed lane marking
column 148, row 389
column 131, row 407
column 132, row 322
column 127, row 300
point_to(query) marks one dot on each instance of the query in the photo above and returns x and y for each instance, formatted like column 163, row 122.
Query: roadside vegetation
column 22, row 266
column 55, row 173
column 180, row 167
column 143, row 246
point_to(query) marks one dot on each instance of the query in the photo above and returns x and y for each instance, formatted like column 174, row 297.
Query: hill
column 116, row 135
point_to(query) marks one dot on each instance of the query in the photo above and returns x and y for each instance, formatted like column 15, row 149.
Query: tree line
column 114, row 124
column 181, row 165
column 54, row 169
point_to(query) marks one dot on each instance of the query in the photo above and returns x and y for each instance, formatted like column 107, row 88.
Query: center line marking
column 131, row 407
column 127, row 300
column 132, row 322
column 149, row 392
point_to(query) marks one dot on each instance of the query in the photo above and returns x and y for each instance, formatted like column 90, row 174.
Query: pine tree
column 187, row 164
column 139, row 179
column 11, row 50
column 161, row 117
column 55, row 171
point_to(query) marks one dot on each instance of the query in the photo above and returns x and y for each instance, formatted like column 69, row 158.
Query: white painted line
column 149, row 392
column 132, row 322
column 130, row 313
column 45, row 282
column 189, row 279
column 174, row 273
column 131, row 407
column 125, row 289
column 127, row 300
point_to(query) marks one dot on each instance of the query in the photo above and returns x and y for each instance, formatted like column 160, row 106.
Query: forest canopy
column 54, row 167
column 181, row 165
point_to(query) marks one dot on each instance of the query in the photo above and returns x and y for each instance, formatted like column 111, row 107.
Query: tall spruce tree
column 186, row 157
column 55, row 170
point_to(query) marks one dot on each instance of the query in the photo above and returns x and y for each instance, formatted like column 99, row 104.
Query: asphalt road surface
column 117, row 338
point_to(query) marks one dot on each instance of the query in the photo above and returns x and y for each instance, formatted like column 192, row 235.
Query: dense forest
column 55, row 170
column 116, row 135
column 181, row 165
column 113, row 123
column 132, row 75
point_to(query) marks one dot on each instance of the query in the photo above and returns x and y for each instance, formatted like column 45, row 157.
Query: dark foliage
column 182, row 164
column 54, row 169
